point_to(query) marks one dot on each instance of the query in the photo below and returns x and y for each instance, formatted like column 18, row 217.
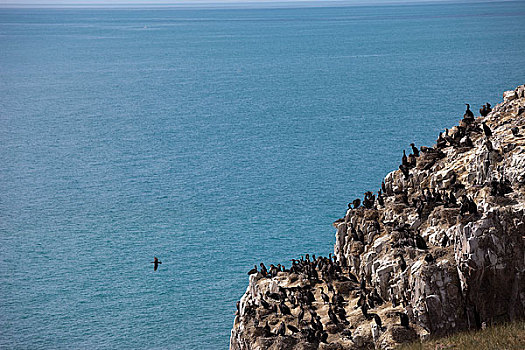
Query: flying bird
column 156, row 262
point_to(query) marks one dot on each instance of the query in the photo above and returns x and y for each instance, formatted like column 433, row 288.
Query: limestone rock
column 446, row 249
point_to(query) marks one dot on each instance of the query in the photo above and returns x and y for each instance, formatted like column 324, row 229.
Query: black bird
column 363, row 283
column 429, row 258
column 156, row 263
column 332, row 316
column 468, row 113
column 364, row 310
column 361, row 301
column 341, row 312
column 464, row 208
column 377, row 298
column 515, row 131
column 444, row 241
column 325, row 297
column 266, row 330
column 404, row 159
column 310, row 335
column 293, row 329
column 274, row 296
column 264, row 303
column 403, row 318
column 361, row 235
column 339, row 299
column 380, row 199
column 415, row 151
column 485, row 110
column 452, row 199
column 252, row 271
column 346, row 333
column 285, row 310
column 377, row 319
column 420, row 242
column 405, row 170
column 486, row 130
column 324, row 337
column 300, row 315
column 264, row 271
column 310, row 298
column 402, row 263
column 473, row 208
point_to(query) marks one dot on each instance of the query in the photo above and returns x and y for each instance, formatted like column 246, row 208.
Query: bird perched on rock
column 405, row 170
column 264, row 271
column 293, row 329
column 415, row 151
column 252, row 271
column 402, row 263
column 274, row 296
column 429, row 258
column 364, row 310
column 468, row 113
column 403, row 318
column 377, row 298
column 323, row 337
column 264, row 303
column 332, row 316
column 420, row 242
column 486, row 130
column 444, row 241
column 347, row 333
column 363, row 282
column 156, row 263
column 285, row 310
column 273, row 270
column 378, row 322
column 485, row 110
column 325, row 297
column 266, row 330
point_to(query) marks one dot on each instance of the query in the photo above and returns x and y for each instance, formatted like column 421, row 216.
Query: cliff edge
column 439, row 249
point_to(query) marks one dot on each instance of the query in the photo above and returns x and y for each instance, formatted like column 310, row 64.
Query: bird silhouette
column 156, row 262
column 486, row 130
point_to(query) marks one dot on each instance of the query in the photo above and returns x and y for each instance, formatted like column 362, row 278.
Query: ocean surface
column 213, row 139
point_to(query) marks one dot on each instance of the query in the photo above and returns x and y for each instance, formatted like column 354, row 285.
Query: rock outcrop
column 439, row 249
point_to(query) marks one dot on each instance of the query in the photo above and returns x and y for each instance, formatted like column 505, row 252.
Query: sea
column 213, row 139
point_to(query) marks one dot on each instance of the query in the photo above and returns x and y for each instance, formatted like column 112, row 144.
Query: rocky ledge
column 439, row 249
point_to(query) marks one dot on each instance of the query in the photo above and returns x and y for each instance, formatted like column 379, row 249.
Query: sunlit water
column 213, row 139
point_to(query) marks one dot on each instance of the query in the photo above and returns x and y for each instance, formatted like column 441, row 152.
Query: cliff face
column 442, row 243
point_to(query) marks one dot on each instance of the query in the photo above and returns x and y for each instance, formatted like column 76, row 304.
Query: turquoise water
column 213, row 139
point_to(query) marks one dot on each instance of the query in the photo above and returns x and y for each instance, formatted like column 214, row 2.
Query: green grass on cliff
column 508, row 336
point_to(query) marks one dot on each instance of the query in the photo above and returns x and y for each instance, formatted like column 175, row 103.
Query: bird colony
column 437, row 249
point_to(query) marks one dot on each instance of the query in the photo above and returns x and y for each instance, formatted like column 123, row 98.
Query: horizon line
column 239, row 3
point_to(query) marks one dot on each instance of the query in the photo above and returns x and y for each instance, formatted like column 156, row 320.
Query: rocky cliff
column 439, row 249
